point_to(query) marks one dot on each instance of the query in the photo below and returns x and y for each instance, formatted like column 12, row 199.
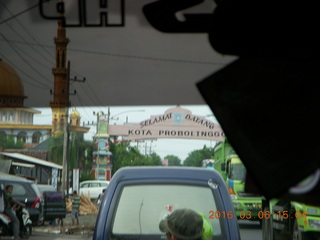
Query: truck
column 290, row 220
column 226, row 161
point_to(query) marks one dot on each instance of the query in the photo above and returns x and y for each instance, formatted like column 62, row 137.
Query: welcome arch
column 173, row 123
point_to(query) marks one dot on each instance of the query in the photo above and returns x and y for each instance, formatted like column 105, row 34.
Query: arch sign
column 174, row 123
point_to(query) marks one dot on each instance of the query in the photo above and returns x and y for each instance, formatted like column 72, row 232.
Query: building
column 16, row 120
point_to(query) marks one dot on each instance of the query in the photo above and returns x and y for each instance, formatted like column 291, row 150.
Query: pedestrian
column 182, row 224
column 75, row 207
column 9, row 204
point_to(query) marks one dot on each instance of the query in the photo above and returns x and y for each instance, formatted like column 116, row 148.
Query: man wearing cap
column 182, row 224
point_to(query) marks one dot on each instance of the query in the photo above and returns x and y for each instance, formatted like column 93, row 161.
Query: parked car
column 45, row 187
column 138, row 198
column 92, row 187
column 54, row 203
column 26, row 192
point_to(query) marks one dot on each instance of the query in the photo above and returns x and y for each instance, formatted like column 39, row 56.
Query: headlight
column 314, row 224
column 312, row 211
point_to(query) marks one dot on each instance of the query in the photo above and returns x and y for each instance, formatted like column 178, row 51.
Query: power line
column 43, row 86
column 30, row 35
column 22, row 12
column 17, row 52
column 119, row 55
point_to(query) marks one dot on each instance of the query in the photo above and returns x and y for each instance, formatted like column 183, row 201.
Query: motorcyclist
column 10, row 204
column 1, row 199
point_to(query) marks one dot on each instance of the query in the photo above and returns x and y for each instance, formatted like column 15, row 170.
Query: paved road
column 50, row 236
column 250, row 230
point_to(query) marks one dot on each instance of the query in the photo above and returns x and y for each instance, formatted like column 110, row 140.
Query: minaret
column 60, row 102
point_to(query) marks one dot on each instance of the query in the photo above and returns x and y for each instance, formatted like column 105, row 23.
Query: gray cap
column 183, row 223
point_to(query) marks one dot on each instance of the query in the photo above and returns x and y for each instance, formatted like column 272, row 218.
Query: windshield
column 141, row 207
column 237, row 172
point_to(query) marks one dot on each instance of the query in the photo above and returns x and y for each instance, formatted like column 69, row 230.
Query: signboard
column 54, row 179
column 103, row 126
column 174, row 123
column 75, row 180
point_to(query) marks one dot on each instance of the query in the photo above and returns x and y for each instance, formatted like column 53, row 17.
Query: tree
column 56, row 149
column 124, row 155
column 195, row 157
column 80, row 152
column 173, row 160
column 7, row 142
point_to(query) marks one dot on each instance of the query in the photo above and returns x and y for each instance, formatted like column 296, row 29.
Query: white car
column 92, row 188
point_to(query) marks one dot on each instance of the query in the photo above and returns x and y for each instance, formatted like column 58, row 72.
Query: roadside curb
column 87, row 224
column 80, row 229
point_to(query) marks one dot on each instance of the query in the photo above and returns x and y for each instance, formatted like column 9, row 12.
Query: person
column 207, row 233
column 182, row 224
column 2, row 193
column 75, row 207
column 9, row 204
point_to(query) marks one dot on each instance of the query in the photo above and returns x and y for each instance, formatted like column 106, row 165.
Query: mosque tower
column 60, row 103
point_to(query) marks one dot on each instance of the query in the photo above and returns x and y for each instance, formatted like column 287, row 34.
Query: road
column 50, row 236
column 250, row 230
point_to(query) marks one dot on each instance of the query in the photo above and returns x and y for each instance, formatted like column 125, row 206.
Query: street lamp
column 133, row 110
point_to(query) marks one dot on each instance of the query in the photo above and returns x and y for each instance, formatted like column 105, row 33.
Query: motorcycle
column 6, row 228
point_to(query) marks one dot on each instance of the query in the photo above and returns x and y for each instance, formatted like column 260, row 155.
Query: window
column 11, row 116
column 18, row 189
column 4, row 116
column 22, row 136
column 36, row 137
column 94, row 185
column 141, row 207
column 104, row 184
column 84, row 185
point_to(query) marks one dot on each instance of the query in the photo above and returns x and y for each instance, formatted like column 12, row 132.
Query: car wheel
column 267, row 229
column 298, row 235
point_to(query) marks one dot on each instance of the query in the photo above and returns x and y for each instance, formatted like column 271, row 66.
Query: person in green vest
column 9, row 205
column 75, row 207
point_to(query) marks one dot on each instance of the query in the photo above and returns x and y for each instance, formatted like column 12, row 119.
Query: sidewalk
column 86, row 226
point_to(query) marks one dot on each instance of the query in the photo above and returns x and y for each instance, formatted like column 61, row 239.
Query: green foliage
column 173, row 160
column 7, row 142
column 56, row 149
column 86, row 176
column 124, row 155
column 195, row 157
column 80, row 152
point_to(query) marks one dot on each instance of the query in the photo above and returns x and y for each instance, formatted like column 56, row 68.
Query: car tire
column 298, row 235
column 267, row 229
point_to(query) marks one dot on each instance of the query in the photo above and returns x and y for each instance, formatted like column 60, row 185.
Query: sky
column 135, row 114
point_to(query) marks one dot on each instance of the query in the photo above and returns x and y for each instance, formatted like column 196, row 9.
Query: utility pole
column 65, row 184
column 65, row 162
